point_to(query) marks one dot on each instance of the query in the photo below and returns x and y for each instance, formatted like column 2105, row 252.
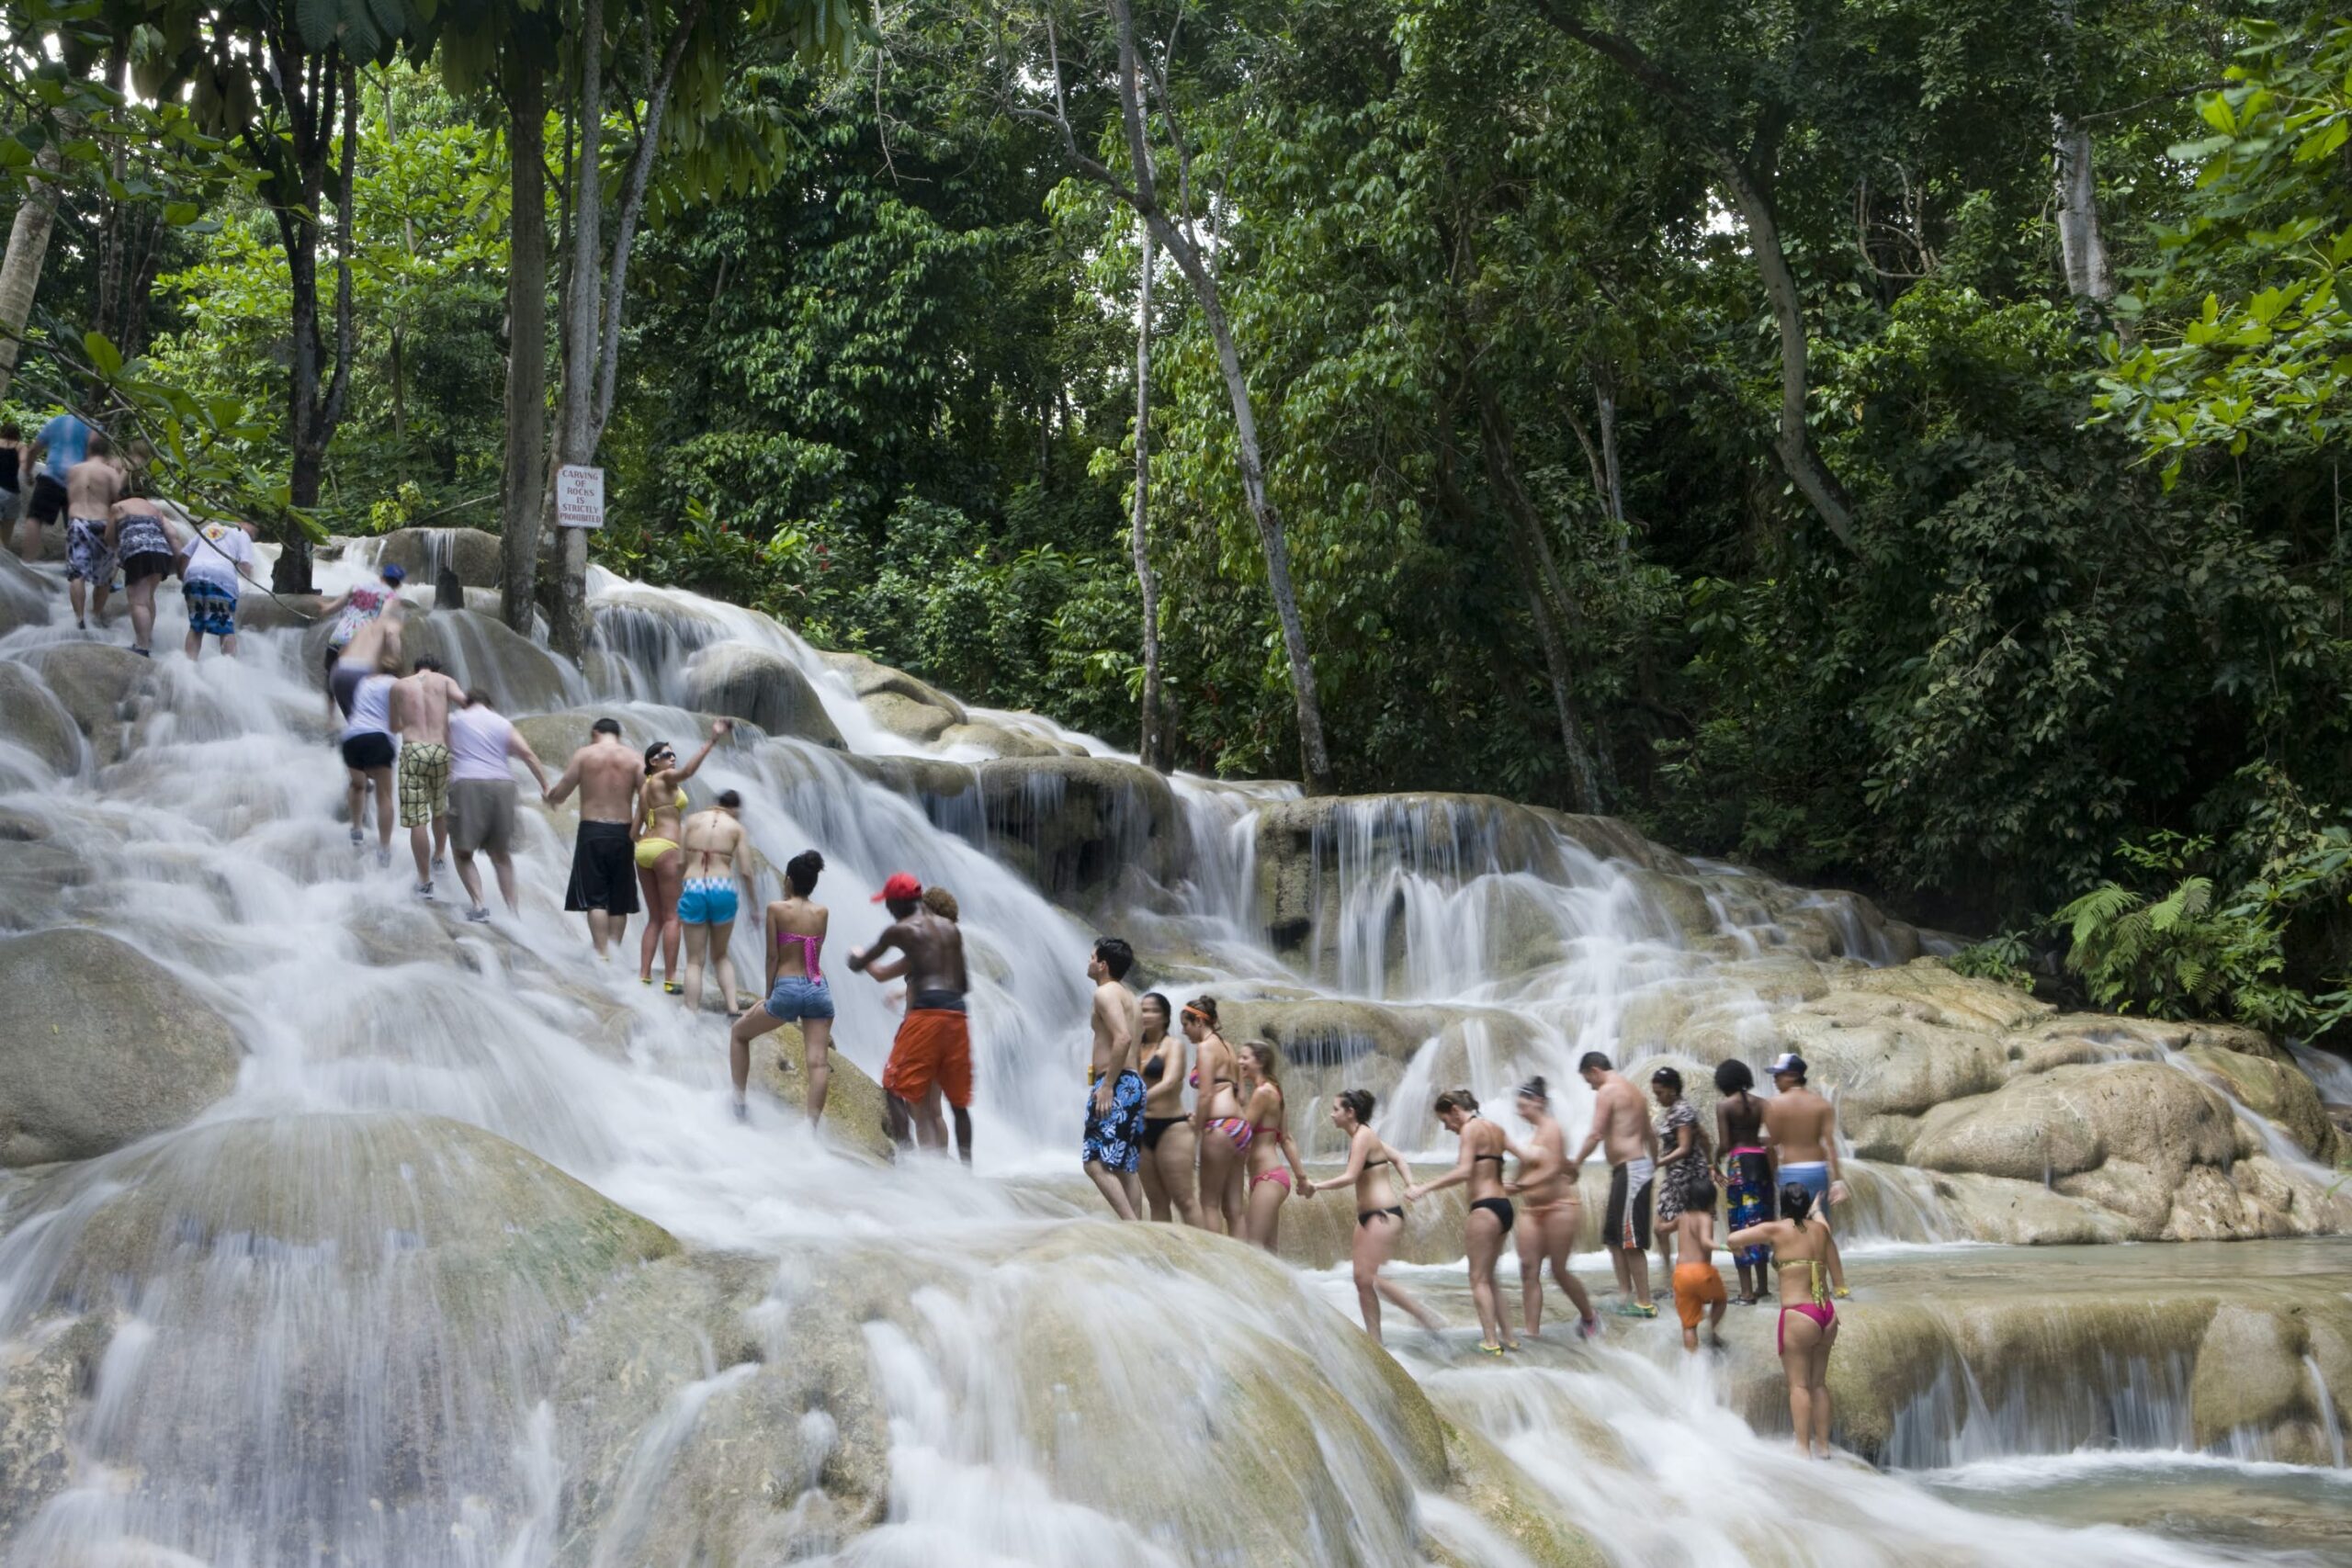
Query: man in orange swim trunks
column 933, row 1054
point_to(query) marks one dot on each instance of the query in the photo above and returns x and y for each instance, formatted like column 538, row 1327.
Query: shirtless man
column 1113, row 1145
column 932, row 1053
column 421, row 704
column 92, row 488
column 1801, row 1128
column 604, row 866
column 716, row 855
column 1620, row 1123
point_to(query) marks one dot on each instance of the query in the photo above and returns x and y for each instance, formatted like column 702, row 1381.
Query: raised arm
column 719, row 729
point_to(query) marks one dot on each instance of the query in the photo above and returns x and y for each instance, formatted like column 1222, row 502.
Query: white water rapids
column 315, row 1392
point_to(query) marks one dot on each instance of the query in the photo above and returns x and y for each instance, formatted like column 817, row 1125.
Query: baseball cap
column 901, row 888
column 1788, row 1062
column 394, row 573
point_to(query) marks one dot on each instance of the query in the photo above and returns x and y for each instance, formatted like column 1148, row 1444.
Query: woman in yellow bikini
column 661, row 871
column 1801, row 1246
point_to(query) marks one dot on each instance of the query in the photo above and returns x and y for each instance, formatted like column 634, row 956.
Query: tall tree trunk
column 1747, row 188
column 576, row 431
column 1315, row 759
column 27, row 249
column 525, row 479
column 1548, row 596
column 1154, row 745
column 1604, row 394
column 2081, row 249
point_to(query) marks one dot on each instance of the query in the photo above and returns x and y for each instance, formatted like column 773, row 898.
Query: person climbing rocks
column 1801, row 1245
column 482, row 796
column 606, row 774
column 715, row 855
column 1490, row 1219
column 93, row 482
column 1111, row 1145
column 421, row 705
column 141, row 542
column 1748, row 1181
column 794, row 937
column 42, row 468
column 1373, row 1170
column 660, row 803
column 353, row 609
column 1682, row 1161
column 368, row 748
column 1698, row 1283
column 1621, row 1126
column 1802, row 1127
column 931, row 1056
column 218, row 557
column 1552, row 1209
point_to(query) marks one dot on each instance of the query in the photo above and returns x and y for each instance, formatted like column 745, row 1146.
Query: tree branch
column 640, row 172
column 331, row 413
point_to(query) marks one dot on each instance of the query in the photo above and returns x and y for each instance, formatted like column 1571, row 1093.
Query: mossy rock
column 853, row 1101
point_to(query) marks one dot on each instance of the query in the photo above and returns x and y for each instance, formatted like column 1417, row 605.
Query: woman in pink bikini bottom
column 1808, row 1327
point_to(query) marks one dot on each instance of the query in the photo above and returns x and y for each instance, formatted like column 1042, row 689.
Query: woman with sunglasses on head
column 660, row 869
column 1490, row 1219
column 1546, row 1189
column 1169, row 1186
column 1373, row 1170
column 1273, row 1162
column 1219, row 1127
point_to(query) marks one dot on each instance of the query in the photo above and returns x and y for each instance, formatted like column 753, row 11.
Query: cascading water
column 392, row 1302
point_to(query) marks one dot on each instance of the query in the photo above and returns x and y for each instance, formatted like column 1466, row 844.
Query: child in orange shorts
column 1698, row 1287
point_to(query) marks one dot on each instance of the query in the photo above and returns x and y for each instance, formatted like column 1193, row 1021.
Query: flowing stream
column 326, row 1341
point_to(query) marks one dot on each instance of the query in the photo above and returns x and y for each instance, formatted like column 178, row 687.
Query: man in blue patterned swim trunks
column 1113, row 1145
column 219, row 555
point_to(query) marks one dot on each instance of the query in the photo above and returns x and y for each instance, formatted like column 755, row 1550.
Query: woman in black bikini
column 1489, row 1221
column 1380, row 1218
column 1167, row 1142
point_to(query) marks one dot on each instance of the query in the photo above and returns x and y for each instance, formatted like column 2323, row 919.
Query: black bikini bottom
column 1153, row 1126
column 1366, row 1217
column 1501, row 1206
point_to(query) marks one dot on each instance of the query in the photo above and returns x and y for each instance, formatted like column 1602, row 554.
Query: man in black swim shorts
column 607, row 775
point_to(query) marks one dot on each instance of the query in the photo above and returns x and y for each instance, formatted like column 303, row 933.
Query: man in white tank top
column 481, row 796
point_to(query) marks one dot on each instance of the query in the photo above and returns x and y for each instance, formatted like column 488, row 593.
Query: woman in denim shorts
column 796, row 988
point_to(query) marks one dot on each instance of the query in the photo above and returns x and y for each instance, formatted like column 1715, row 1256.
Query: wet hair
column 1459, row 1099
column 1204, row 1008
column 1669, row 1077
column 1593, row 1062
column 800, row 872
column 1359, row 1102
column 1796, row 1203
column 941, row 902
column 425, row 663
column 1699, row 1195
column 1535, row 1089
column 1117, row 956
column 477, row 698
column 1270, row 1058
column 731, row 799
column 1733, row 1077
column 656, row 750
column 606, row 726
column 101, row 445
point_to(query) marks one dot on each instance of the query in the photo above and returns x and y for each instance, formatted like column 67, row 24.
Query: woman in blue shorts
column 797, row 990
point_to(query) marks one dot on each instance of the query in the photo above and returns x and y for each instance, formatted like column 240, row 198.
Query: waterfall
column 470, row 1268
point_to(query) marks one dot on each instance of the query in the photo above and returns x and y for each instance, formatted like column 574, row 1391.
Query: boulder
column 33, row 718
column 993, row 740
column 107, row 1046
column 896, row 701
column 422, row 552
column 34, row 877
column 25, row 595
column 44, row 1376
column 2250, row 1375
column 102, row 685
column 260, row 612
column 1084, row 828
column 853, row 1101
column 479, row 650
column 763, row 686
column 2278, row 1091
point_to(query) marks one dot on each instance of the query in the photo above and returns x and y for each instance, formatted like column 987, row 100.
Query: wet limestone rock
column 2250, row 1374
column 899, row 703
column 479, row 650
column 1082, row 827
column 31, row 718
column 261, row 612
column 997, row 740
column 2278, row 1091
column 24, row 594
column 853, row 1101
column 103, row 685
column 420, row 552
column 764, row 687
column 42, row 1377
column 1484, row 1481
column 115, row 1048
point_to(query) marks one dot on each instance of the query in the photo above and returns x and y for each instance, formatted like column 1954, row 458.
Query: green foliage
column 2006, row 958
column 2243, row 334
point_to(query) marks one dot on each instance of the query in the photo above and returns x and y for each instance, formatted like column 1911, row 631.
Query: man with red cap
column 933, row 1054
